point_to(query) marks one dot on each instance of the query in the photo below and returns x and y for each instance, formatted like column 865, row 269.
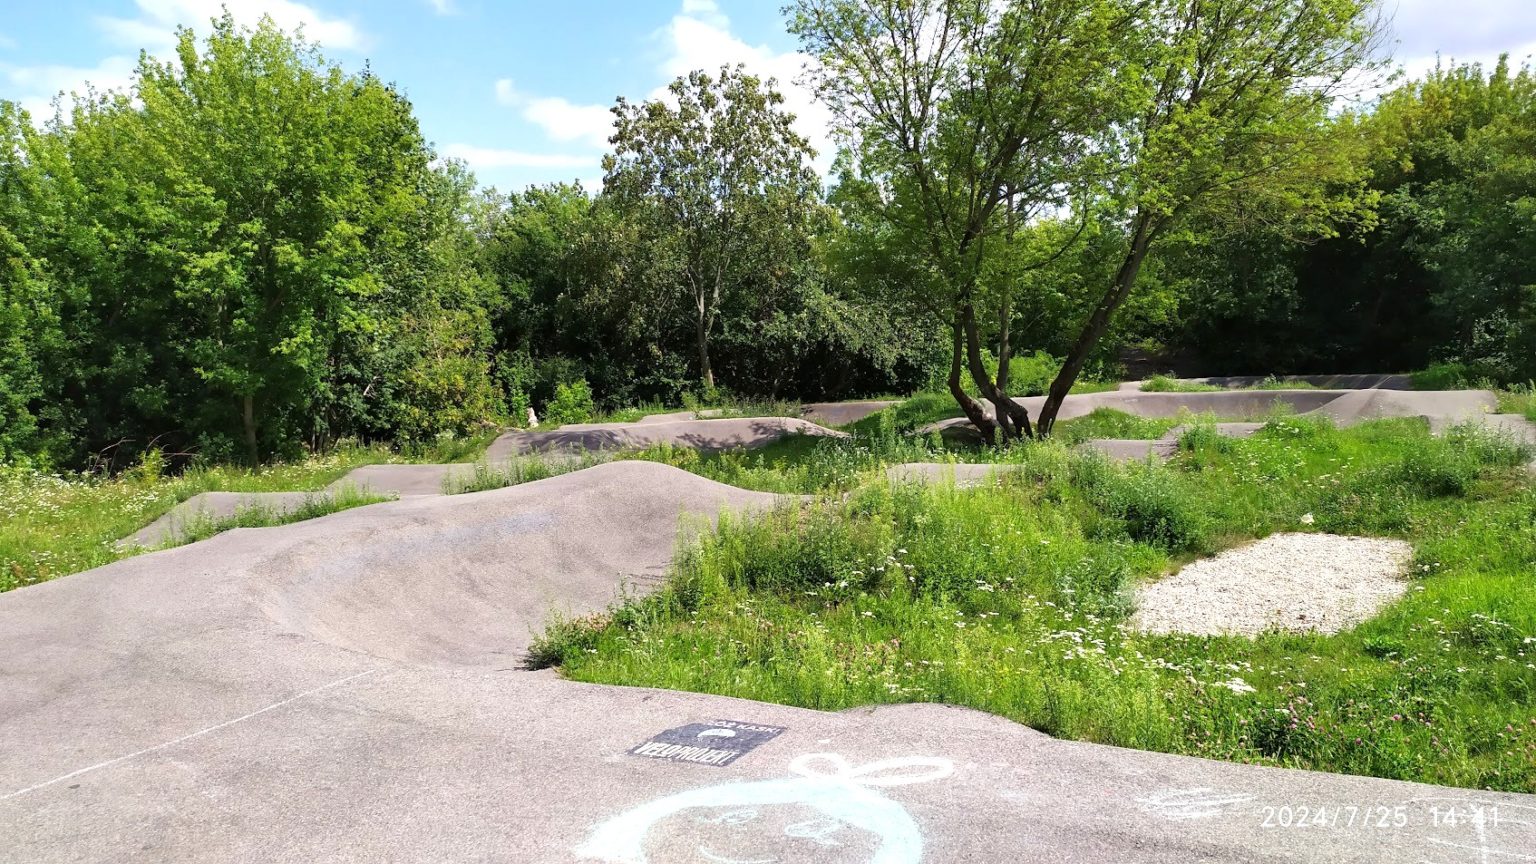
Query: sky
column 520, row 89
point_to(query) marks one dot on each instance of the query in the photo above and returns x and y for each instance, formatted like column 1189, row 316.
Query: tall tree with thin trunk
column 1233, row 99
column 722, row 182
column 965, row 117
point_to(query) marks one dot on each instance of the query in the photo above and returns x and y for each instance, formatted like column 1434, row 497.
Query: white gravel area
column 1298, row 582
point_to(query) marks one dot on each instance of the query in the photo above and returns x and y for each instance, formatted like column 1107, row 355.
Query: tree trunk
column 1012, row 418
column 705, row 370
column 973, row 410
column 1098, row 324
column 248, row 414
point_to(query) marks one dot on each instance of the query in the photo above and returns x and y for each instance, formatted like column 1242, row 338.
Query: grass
column 1519, row 399
column 258, row 516
column 53, row 524
column 518, row 470
column 1010, row 599
column 1167, row 384
column 809, row 464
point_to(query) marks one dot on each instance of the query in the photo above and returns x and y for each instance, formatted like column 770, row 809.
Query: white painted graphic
column 828, row 812
column 1200, row 802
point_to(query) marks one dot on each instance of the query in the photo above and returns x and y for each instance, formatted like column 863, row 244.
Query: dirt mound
column 467, row 580
column 708, row 435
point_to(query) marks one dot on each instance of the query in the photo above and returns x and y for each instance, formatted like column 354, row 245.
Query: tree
column 249, row 251
column 1231, row 123
column 722, row 184
column 967, row 119
column 30, row 335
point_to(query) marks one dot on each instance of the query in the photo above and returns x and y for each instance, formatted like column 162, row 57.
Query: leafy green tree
column 1438, row 274
column 967, row 118
column 30, row 334
column 1230, row 126
column 250, row 246
column 722, row 186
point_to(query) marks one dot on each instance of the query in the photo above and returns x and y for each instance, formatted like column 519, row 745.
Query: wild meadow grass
column 1168, row 384
column 1519, row 399
column 345, row 497
column 519, row 470
column 56, row 523
column 808, row 464
column 1011, row 598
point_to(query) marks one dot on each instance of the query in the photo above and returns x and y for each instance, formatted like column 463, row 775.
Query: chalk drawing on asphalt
column 1200, row 802
column 830, row 810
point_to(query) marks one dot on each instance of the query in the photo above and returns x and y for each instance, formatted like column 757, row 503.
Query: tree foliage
column 249, row 251
column 721, row 184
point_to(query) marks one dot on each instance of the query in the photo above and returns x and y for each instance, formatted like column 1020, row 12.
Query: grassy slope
column 1010, row 599
column 55, row 524
column 1165, row 384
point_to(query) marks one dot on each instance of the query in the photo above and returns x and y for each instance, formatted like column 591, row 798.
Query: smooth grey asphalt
column 350, row 689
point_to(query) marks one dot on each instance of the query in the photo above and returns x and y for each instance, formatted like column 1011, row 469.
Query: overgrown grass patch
column 517, row 470
column 1519, row 399
column 1010, row 598
column 1169, row 384
column 257, row 516
column 53, row 524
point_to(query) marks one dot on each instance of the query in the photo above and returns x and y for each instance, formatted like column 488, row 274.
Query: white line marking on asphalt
column 188, row 737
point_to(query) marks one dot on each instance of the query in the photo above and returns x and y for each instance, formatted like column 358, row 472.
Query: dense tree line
column 1443, row 270
column 254, row 252
column 248, row 253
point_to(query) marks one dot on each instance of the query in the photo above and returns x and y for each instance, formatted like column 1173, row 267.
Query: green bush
column 572, row 403
column 1151, row 504
column 1451, row 376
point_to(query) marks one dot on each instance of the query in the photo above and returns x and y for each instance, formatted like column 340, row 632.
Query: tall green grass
column 1011, row 598
column 1167, row 384
column 1519, row 399
column 314, row 506
column 55, row 523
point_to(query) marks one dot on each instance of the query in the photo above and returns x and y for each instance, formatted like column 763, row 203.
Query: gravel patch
column 1298, row 582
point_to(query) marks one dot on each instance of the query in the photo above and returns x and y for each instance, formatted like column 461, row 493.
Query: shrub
column 1151, row 504
column 1451, row 376
column 572, row 403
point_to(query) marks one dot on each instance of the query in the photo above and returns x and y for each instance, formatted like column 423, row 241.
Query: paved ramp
column 844, row 413
column 706, row 435
column 682, row 429
column 347, row 689
column 1344, row 407
column 297, row 694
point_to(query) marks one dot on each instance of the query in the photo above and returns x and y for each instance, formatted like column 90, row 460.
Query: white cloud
column 154, row 30
column 506, row 94
column 561, row 119
column 1473, row 31
column 442, row 7
column 699, row 37
column 37, row 85
column 491, row 157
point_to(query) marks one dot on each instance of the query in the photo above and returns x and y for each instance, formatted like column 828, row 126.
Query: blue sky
column 519, row 89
